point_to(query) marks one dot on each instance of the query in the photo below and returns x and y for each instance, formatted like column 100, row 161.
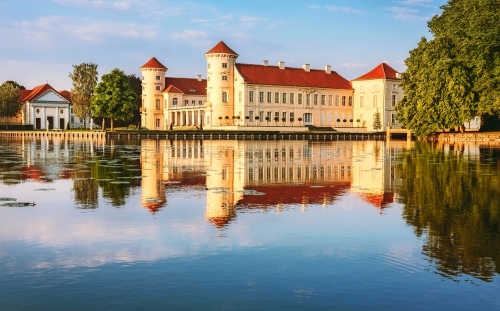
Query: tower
column 220, row 84
column 153, row 84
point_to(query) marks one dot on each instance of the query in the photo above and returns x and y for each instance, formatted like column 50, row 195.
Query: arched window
column 157, row 104
column 175, row 102
column 224, row 97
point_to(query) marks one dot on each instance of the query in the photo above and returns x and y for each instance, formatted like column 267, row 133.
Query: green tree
column 114, row 97
column 377, row 124
column 456, row 75
column 10, row 105
column 15, row 84
column 84, row 77
column 136, row 84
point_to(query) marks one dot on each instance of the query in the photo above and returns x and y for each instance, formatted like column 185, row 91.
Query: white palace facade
column 249, row 96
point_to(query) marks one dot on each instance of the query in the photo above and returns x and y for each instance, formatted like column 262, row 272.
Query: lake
column 248, row 225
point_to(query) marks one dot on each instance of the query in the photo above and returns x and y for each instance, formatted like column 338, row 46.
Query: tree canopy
column 15, row 84
column 10, row 106
column 455, row 76
column 114, row 97
column 84, row 77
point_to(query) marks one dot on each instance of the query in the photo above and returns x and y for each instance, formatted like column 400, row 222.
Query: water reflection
column 449, row 193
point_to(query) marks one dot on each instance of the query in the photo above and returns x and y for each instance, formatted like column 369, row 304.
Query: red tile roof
column 153, row 63
column 378, row 200
column 273, row 75
column 382, row 71
column 221, row 48
column 27, row 95
column 186, row 85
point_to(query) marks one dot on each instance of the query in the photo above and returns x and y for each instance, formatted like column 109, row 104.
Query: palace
column 252, row 97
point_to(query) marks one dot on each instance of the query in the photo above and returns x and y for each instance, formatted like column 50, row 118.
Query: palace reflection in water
column 267, row 174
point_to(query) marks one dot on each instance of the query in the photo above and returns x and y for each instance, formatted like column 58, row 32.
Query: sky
column 40, row 40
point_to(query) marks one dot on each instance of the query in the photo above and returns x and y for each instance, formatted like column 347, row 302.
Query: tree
column 377, row 124
column 15, row 84
column 455, row 76
column 114, row 97
column 136, row 84
column 10, row 106
column 84, row 77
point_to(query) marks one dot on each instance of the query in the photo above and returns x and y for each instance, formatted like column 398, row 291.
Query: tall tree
column 15, row 84
column 455, row 76
column 10, row 105
column 114, row 97
column 136, row 84
column 84, row 77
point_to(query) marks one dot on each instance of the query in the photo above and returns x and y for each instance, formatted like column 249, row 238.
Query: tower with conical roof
column 220, row 84
column 153, row 84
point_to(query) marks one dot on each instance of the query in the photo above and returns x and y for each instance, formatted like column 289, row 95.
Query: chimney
column 281, row 65
column 306, row 67
column 198, row 77
column 328, row 69
column 265, row 63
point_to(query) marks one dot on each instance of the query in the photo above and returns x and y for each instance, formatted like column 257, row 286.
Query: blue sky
column 41, row 39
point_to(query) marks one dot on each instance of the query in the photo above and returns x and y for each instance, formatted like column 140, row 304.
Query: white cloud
column 344, row 9
column 250, row 21
column 189, row 35
column 353, row 65
column 406, row 14
column 45, row 28
column 145, row 8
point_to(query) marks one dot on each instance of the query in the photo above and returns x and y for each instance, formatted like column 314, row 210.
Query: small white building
column 46, row 108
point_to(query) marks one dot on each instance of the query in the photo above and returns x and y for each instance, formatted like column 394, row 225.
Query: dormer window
column 224, row 65
column 192, row 90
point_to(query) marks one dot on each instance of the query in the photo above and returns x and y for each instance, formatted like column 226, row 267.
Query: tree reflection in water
column 451, row 193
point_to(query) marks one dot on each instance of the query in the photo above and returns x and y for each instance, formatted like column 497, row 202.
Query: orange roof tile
column 221, row 48
column 65, row 94
column 153, row 63
column 273, row 75
column 382, row 71
column 27, row 95
column 186, row 86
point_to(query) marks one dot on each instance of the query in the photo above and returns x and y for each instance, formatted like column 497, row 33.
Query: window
column 292, row 115
column 166, row 104
column 323, row 99
column 337, row 100
column 350, row 100
column 250, row 96
column 250, row 115
column 283, row 115
column 261, row 97
column 393, row 118
column 375, row 86
column 157, row 122
column 394, row 87
column 193, row 103
column 315, row 99
column 269, row 115
column 240, row 96
column 174, row 102
column 143, row 78
column 261, row 116
column 70, row 110
column 343, row 100
column 224, row 78
column 200, row 103
column 374, row 101
column 330, row 100
column 300, row 99
column 362, row 87
column 292, row 98
column 157, row 87
column 308, row 99
column 361, row 101
column 224, row 97
column 394, row 99
column 276, row 97
column 277, row 114
column 268, row 97
column 224, row 65
column 158, row 78
column 284, row 98
column 186, row 103
column 157, row 104
column 143, row 87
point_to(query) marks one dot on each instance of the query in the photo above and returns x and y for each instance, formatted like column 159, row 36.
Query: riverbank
column 469, row 136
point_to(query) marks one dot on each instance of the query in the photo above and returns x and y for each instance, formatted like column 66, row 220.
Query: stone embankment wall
column 469, row 136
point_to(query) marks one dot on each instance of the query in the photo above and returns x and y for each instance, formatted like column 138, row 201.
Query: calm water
column 242, row 225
